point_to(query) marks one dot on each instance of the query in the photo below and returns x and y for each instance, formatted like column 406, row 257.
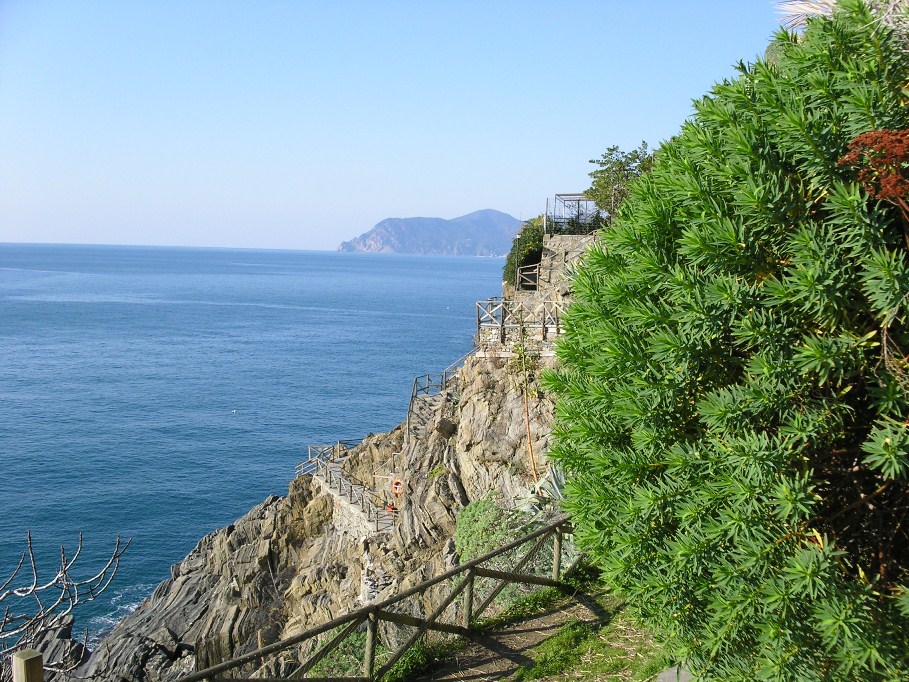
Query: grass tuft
column 619, row 650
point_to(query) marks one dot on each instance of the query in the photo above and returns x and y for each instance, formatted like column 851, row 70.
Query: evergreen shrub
column 732, row 400
column 485, row 524
column 527, row 245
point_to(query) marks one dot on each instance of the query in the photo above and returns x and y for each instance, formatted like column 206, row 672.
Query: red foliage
column 882, row 160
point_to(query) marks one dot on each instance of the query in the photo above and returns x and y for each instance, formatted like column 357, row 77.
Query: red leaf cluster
column 882, row 160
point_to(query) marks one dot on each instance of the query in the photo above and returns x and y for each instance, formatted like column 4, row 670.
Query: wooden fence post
column 28, row 666
column 557, row 554
column 369, row 655
column 468, row 598
column 502, row 322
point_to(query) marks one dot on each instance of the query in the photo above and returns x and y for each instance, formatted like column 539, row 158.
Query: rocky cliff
column 297, row 561
column 481, row 233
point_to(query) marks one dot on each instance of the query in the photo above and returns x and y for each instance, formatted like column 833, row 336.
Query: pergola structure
column 571, row 214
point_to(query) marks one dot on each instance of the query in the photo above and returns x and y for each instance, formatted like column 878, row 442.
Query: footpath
column 518, row 649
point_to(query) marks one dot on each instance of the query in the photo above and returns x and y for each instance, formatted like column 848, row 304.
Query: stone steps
column 355, row 498
column 421, row 413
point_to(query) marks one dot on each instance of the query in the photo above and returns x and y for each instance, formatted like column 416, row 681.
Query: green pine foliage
column 734, row 392
column 616, row 171
column 526, row 249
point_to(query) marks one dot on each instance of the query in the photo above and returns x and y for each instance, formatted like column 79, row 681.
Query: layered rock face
column 295, row 562
column 298, row 561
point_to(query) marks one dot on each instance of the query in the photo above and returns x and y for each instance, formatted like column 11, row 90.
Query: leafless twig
column 32, row 606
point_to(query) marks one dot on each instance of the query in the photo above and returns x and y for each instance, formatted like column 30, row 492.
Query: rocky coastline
column 296, row 561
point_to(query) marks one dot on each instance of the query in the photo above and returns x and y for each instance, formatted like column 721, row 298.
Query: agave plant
column 794, row 14
column 546, row 495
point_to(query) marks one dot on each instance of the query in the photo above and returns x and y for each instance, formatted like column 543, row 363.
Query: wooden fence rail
column 316, row 454
column 465, row 575
column 527, row 277
column 505, row 316
column 429, row 384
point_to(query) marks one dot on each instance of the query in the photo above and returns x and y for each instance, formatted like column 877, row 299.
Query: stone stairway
column 427, row 395
column 560, row 251
column 359, row 503
column 421, row 412
column 546, row 278
column 325, row 463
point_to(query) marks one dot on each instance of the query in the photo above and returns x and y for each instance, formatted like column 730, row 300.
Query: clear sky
column 298, row 124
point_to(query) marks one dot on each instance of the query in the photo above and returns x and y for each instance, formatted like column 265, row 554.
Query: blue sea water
column 159, row 393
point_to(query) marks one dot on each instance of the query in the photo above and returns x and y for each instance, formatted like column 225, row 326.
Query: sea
column 157, row 394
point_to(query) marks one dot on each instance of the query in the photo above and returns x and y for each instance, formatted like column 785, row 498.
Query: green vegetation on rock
column 526, row 249
column 733, row 413
column 481, row 528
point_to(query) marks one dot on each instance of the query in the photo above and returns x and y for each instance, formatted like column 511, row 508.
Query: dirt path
column 497, row 654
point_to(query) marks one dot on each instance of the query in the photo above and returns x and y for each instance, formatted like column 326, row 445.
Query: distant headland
column 481, row 233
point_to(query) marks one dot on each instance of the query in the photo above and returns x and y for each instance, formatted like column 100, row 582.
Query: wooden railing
column 429, row 384
column 464, row 578
column 528, row 277
column 504, row 315
column 322, row 462
column 316, row 454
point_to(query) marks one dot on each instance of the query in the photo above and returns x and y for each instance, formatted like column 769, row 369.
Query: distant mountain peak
column 486, row 232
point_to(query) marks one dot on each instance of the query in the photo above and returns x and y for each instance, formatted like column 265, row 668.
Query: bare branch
column 36, row 608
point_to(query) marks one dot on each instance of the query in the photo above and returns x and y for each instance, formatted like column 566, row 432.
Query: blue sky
column 298, row 124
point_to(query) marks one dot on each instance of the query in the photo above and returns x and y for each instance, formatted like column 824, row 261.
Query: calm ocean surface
column 159, row 393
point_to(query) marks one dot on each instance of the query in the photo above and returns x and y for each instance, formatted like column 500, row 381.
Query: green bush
column 527, row 244
column 484, row 525
column 732, row 404
column 346, row 660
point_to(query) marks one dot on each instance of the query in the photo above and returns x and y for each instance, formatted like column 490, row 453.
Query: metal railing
column 572, row 213
column 464, row 578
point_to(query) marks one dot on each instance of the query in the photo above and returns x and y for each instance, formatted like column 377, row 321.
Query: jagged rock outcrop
column 297, row 561
column 491, row 447
column 225, row 597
